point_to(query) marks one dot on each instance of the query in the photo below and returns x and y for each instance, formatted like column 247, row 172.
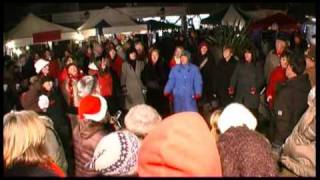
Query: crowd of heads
column 147, row 143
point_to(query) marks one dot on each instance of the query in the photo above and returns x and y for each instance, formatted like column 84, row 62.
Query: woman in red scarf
column 69, row 88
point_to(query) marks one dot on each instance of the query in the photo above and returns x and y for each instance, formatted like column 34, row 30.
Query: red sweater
column 63, row 76
column 105, row 82
column 278, row 75
column 116, row 65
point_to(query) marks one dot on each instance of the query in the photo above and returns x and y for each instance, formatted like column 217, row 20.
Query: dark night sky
column 14, row 12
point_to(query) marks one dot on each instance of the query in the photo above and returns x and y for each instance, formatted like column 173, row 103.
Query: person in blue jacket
column 185, row 85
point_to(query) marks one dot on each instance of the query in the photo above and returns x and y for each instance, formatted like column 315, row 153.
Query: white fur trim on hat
column 93, row 66
column 141, row 119
column 101, row 114
column 40, row 64
column 43, row 102
column 235, row 115
column 86, row 85
column 116, row 154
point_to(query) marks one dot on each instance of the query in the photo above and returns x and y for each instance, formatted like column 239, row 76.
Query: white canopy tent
column 22, row 34
column 233, row 16
column 121, row 29
column 118, row 21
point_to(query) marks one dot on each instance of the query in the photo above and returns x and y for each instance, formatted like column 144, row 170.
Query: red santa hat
column 93, row 107
column 40, row 64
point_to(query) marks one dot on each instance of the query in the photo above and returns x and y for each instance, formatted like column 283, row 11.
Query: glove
column 253, row 91
column 196, row 97
column 230, row 90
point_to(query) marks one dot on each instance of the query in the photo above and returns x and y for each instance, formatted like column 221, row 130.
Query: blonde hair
column 213, row 122
column 23, row 136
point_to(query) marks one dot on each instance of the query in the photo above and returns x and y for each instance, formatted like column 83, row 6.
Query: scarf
column 70, row 86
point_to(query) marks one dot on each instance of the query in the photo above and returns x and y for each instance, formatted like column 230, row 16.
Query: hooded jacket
column 299, row 150
column 173, row 149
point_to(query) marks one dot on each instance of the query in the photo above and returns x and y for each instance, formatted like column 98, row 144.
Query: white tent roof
column 32, row 24
column 233, row 16
column 111, row 16
column 120, row 29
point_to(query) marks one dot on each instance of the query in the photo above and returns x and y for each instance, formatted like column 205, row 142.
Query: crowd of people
column 183, row 111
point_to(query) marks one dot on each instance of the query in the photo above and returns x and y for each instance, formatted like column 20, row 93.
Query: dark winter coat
column 289, row 105
column 154, row 77
column 222, row 78
column 207, row 70
column 245, row 153
column 86, row 136
column 245, row 77
column 57, row 112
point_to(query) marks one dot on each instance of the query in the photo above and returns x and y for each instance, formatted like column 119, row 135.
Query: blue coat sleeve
column 171, row 82
column 197, row 82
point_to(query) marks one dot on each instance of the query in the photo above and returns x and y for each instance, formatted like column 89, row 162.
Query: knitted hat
column 235, row 115
column 116, row 154
column 246, row 153
column 141, row 119
column 93, row 107
column 40, row 64
column 186, row 53
column 181, row 145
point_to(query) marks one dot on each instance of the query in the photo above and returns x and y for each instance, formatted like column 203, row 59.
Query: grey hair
column 86, row 85
column 141, row 119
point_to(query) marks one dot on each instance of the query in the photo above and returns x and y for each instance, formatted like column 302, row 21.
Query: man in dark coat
column 291, row 101
column 154, row 77
column 225, row 69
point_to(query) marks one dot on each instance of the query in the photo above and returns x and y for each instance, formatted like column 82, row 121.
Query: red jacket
column 62, row 76
column 278, row 75
column 116, row 65
column 105, row 82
